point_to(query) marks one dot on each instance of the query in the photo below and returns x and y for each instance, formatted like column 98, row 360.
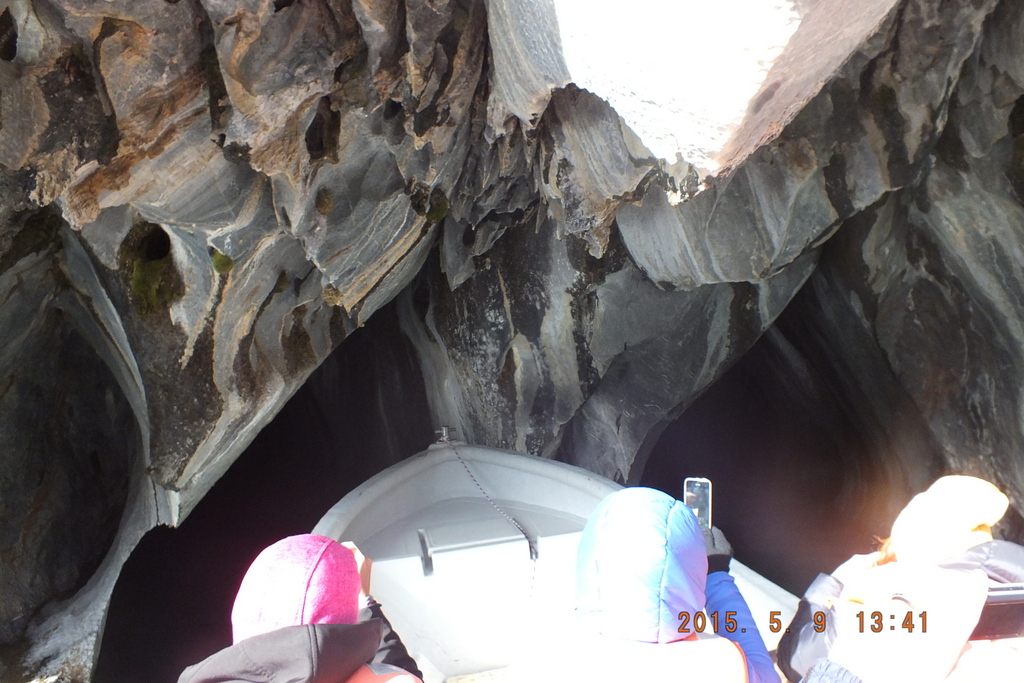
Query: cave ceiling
column 200, row 200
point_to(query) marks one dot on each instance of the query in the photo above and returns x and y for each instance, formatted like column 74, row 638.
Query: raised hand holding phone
column 697, row 496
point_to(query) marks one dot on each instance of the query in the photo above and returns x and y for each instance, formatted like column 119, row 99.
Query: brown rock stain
column 159, row 105
column 337, row 254
column 373, row 273
column 283, row 153
column 83, row 197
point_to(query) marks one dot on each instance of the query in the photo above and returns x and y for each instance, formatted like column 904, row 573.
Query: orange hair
column 885, row 549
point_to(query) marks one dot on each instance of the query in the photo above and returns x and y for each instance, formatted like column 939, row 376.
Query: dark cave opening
column 70, row 462
column 790, row 491
column 805, row 473
column 362, row 410
column 799, row 485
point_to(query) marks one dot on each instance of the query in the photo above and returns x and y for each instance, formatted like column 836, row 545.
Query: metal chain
column 511, row 520
column 445, row 437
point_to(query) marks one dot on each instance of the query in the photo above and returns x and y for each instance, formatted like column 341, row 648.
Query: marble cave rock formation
column 201, row 199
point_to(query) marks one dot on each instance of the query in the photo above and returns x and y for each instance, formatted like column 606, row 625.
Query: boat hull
column 474, row 554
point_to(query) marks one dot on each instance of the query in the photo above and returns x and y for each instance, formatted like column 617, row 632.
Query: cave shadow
column 362, row 410
column 797, row 488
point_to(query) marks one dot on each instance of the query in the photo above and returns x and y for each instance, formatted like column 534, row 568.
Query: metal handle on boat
column 425, row 554
column 427, row 549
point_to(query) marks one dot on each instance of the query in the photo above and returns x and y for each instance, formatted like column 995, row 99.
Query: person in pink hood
column 299, row 617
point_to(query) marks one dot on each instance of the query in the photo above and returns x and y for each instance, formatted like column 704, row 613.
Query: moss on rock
column 222, row 263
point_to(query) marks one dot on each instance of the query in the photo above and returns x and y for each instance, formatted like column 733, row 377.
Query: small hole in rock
column 8, row 36
column 323, row 131
column 155, row 244
column 1016, row 120
column 281, row 4
column 392, row 109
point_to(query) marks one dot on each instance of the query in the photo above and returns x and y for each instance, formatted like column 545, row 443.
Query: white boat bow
column 474, row 555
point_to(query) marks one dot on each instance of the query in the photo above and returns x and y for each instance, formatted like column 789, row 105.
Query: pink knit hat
column 303, row 579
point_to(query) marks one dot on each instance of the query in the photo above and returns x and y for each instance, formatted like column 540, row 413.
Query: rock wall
column 200, row 199
column 588, row 358
column 932, row 274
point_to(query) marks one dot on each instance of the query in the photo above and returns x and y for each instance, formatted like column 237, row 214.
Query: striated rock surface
column 932, row 275
column 199, row 200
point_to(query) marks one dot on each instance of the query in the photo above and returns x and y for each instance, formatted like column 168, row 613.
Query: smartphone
column 697, row 495
column 1003, row 613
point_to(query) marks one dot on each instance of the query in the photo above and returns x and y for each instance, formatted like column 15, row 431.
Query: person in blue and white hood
column 643, row 561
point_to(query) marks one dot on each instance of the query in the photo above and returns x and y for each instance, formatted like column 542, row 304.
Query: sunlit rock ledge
column 679, row 74
column 583, row 213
